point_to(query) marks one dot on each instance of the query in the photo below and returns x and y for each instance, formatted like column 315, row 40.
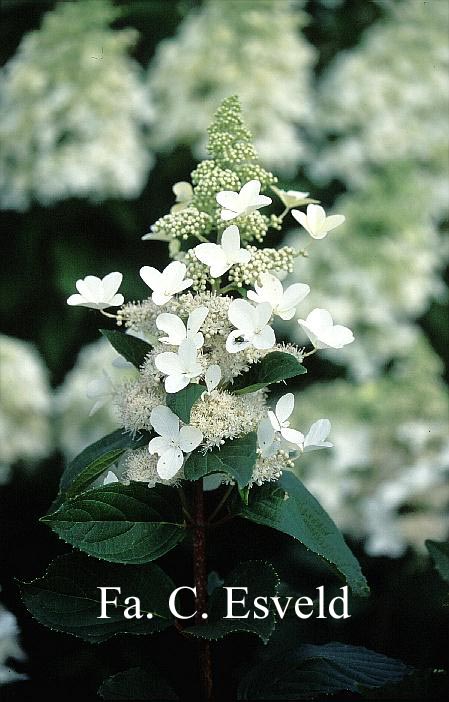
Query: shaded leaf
column 311, row 670
column 120, row 523
column 130, row 347
column 67, row 598
column 182, row 402
column 289, row 507
column 236, row 458
column 260, row 579
column 273, row 368
column 439, row 551
column 94, row 460
column 137, row 684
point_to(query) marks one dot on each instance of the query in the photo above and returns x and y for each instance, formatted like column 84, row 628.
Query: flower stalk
column 200, row 579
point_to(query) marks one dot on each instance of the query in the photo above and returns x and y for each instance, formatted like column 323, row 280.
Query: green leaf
column 91, row 462
column 130, row 347
column 236, row 458
column 301, row 516
column 261, row 580
column 120, row 523
column 309, row 671
column 273, row 368
column 137, row 684
column 68, row 599
column 439, row 551
column 182, row 402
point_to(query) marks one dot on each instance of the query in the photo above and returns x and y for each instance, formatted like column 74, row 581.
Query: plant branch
column 200, row 577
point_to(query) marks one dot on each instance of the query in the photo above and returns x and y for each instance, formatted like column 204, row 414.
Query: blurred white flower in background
column 9, row 647
column 381, row 270
column 254, row 49
column 74, row 111
column 387, row 479
column 387, row 99
column 79, row 394
column 25, row 407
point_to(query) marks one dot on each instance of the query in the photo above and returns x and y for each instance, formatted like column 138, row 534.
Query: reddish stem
column 200, row 577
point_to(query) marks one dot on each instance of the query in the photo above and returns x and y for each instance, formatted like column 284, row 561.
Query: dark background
column 42, row 249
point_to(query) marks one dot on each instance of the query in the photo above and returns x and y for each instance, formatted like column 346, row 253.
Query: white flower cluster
column 253, row 48
column 74, row 111
column 381, row 269
column 386, row 481
column 26, row 406
column 9, row 647
column 212, row 338
column 386, row 99
column 90, row 385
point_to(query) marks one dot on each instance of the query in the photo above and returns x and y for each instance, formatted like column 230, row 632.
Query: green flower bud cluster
column 262, row 261
column 252, row 227
column 184, row 224
column 208, row 180
column 196, row 270
column 230, row 144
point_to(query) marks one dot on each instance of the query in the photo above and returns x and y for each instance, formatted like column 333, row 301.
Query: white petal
column 230, row 241
column 76, row 300
column 165, row 422
column 220, row 266
column 340, row 336
column 301, row 218
column 311, row 334
column 188, row 355
column 168, row 363
column 110, row 478
column 227, row 215
column 111, row 284
column 242, row 315
column 274, row 421
column 159, row 445
column 262, row 201
column 294, row 294
column 175, row 383
column 243, row 256
column 170, row 463
column 318, row 432
column 212, row 377
column 189, row 438
column 316, row 217
column 293, row 436
column 249, row 192
column 116, row 301
column 334, row 221
column 160, row 298
column 319, row 319
column 265, row 339
column 266, row 437
column 183, row 191
column 262, row 313
column 151, row 277
column 196, row 320
column 206, row 253
column 173, row 326
column 228, row 199
column 285, row 406
column 173, row 275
